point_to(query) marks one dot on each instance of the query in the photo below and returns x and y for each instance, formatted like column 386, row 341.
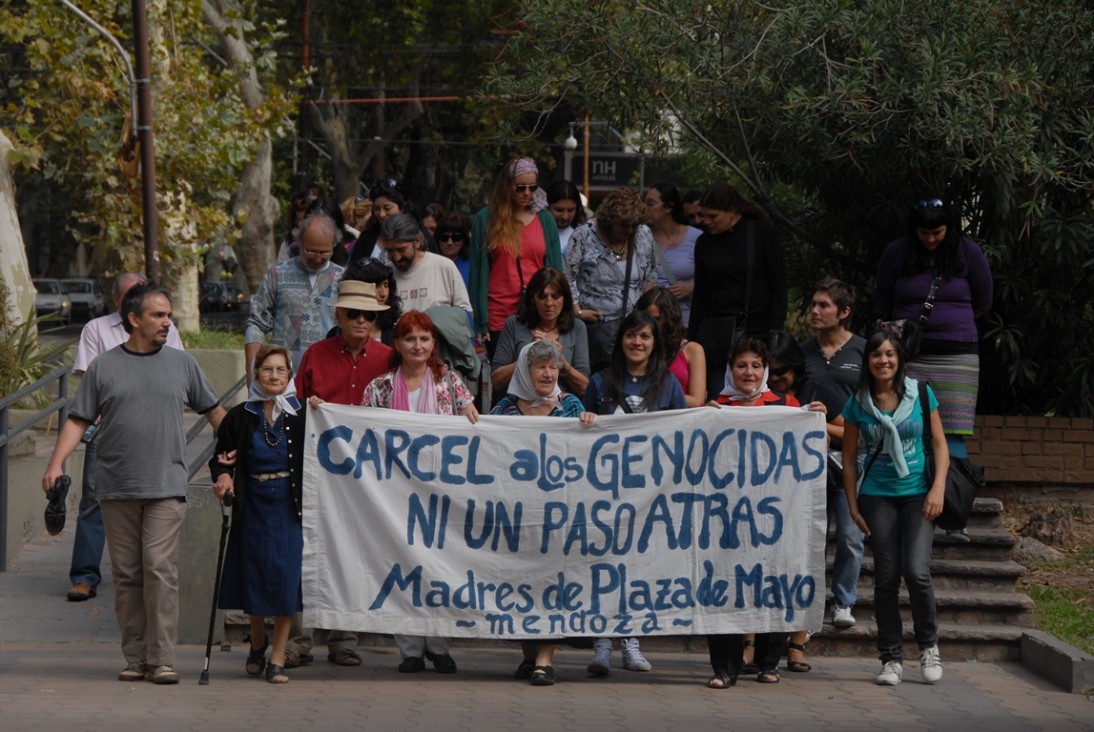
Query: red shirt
column 504, row 291
column 328, row 371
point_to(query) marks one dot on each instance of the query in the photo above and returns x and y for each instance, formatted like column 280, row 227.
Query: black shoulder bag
column 963, row 479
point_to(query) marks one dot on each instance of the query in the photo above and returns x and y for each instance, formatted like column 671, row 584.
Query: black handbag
column 910, row 332
column 964, row 479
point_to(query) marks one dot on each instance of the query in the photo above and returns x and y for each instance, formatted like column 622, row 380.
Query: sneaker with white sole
column 930, row 665
column 133, row 672
column 633, row 660
column 601, row 664
column 842, row 617
column 892, row 673
column 163, row 675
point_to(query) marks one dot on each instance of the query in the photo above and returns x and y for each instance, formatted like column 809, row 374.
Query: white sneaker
column 633, row 660
column 842, row 617
column 602, row 657
column 891, row 673
column 930, row 665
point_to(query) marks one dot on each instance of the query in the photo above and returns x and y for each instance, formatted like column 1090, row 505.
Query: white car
column 87, row 299
column 52, row 297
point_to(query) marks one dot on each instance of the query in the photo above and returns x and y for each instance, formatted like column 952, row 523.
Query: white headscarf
column 286, row 401
column 730, row 389
column 521, row 386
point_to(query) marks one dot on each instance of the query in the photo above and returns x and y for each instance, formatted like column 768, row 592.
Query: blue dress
column 262, row 563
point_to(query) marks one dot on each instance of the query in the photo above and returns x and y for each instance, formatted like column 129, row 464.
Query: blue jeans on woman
column 901, row 540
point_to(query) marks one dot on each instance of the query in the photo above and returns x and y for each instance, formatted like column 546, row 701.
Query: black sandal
column 276, row 674
column 721, row 680
column 525, row 669
column 769, row 677
column 256, row 659
column 753, row 667
column 543, row 676
column 798, row 667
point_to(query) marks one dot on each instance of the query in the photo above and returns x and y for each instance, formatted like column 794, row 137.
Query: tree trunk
column 14, row 269
column 255, row 210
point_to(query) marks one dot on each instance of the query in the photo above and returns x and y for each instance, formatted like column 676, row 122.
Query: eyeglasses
column 369, row 315
column 526, row 187
column 450, row 236
column 271, row 371
column 779, row 371
column 650, row 203
column 317, row 255
column 929, row 203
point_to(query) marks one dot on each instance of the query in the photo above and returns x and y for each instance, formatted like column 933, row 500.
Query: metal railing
column 207, row 452
column 7, row 434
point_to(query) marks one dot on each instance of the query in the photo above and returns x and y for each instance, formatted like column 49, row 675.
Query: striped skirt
column 955, row 379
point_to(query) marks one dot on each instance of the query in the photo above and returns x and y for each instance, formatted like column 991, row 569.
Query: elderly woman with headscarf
column 511, row 239
column 259, row 458
column 534, row 392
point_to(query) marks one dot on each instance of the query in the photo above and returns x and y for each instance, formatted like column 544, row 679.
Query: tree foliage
column 836, row 114
column 66, row 97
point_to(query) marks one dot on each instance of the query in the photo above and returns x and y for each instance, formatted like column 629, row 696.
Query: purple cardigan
column 900, row 295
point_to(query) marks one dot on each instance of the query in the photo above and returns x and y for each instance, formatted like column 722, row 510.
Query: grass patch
column 212, row 338
column 1066, row 614
column 1064, row 597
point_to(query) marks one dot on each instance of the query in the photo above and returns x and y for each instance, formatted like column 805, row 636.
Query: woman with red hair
column 419, row 381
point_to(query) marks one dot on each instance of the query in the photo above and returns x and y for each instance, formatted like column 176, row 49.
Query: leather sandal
column 344, row 657
column 525, row 669
column 798, row 667
column 769, row 677
column 256, row 659
column 276, row 674
column 543, row 676
column 721, row 680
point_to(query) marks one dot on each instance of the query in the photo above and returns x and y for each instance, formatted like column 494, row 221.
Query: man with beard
column 423, row 279
column 292, row 303
column 138, row 391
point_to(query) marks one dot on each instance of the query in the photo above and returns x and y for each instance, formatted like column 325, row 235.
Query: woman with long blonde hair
column 514, row 237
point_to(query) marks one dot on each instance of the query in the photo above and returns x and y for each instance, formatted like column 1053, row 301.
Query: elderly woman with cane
column 534, row 392
column 259, row 457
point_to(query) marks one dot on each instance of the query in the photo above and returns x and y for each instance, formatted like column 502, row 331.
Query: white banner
column 676, row 523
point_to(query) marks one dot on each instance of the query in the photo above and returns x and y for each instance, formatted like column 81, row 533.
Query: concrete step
column 956, row 641
column 958, row 574
column 966, row 607
column 988, row 544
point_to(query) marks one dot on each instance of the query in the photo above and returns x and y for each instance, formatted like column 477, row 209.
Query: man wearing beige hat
column 337, row 369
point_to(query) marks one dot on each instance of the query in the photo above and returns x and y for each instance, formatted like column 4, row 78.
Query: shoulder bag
column 909, row 331
column 964, row 479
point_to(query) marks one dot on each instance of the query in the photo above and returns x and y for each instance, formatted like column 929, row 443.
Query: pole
column 588, row 192
column 147, row 143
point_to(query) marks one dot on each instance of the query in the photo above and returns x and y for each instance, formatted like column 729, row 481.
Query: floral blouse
column 597, row 277
column 452, row 396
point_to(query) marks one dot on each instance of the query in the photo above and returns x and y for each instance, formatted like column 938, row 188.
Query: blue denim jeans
column 87, row 548
column 848, row 560
column 901, row 540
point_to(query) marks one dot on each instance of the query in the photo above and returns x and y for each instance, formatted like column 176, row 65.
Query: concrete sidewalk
column 59, row 660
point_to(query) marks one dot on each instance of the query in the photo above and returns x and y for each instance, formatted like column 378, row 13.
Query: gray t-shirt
column 832, row 381
column 141, row 445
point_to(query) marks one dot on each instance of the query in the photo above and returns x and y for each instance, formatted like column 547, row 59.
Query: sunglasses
column 381, row 186
column 450, row 236
column 369, row 315
column 929, row 203
column 526, row 188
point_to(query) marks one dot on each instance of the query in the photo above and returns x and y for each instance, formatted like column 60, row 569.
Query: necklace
column 278, row 430
column 619, row 253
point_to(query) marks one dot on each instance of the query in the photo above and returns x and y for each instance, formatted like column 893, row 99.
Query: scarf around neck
column 400, row 396
column 286, row 401
column 891, row 442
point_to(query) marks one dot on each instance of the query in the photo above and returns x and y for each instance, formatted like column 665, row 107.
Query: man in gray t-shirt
column 833, row 362
column 138, row 391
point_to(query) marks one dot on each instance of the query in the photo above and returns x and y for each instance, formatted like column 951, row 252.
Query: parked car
column 52, row 297
column 218, row 296
column 87, row 299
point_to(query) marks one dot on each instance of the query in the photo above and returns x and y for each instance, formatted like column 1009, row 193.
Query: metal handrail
column 59, row 405
column 207, row 452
